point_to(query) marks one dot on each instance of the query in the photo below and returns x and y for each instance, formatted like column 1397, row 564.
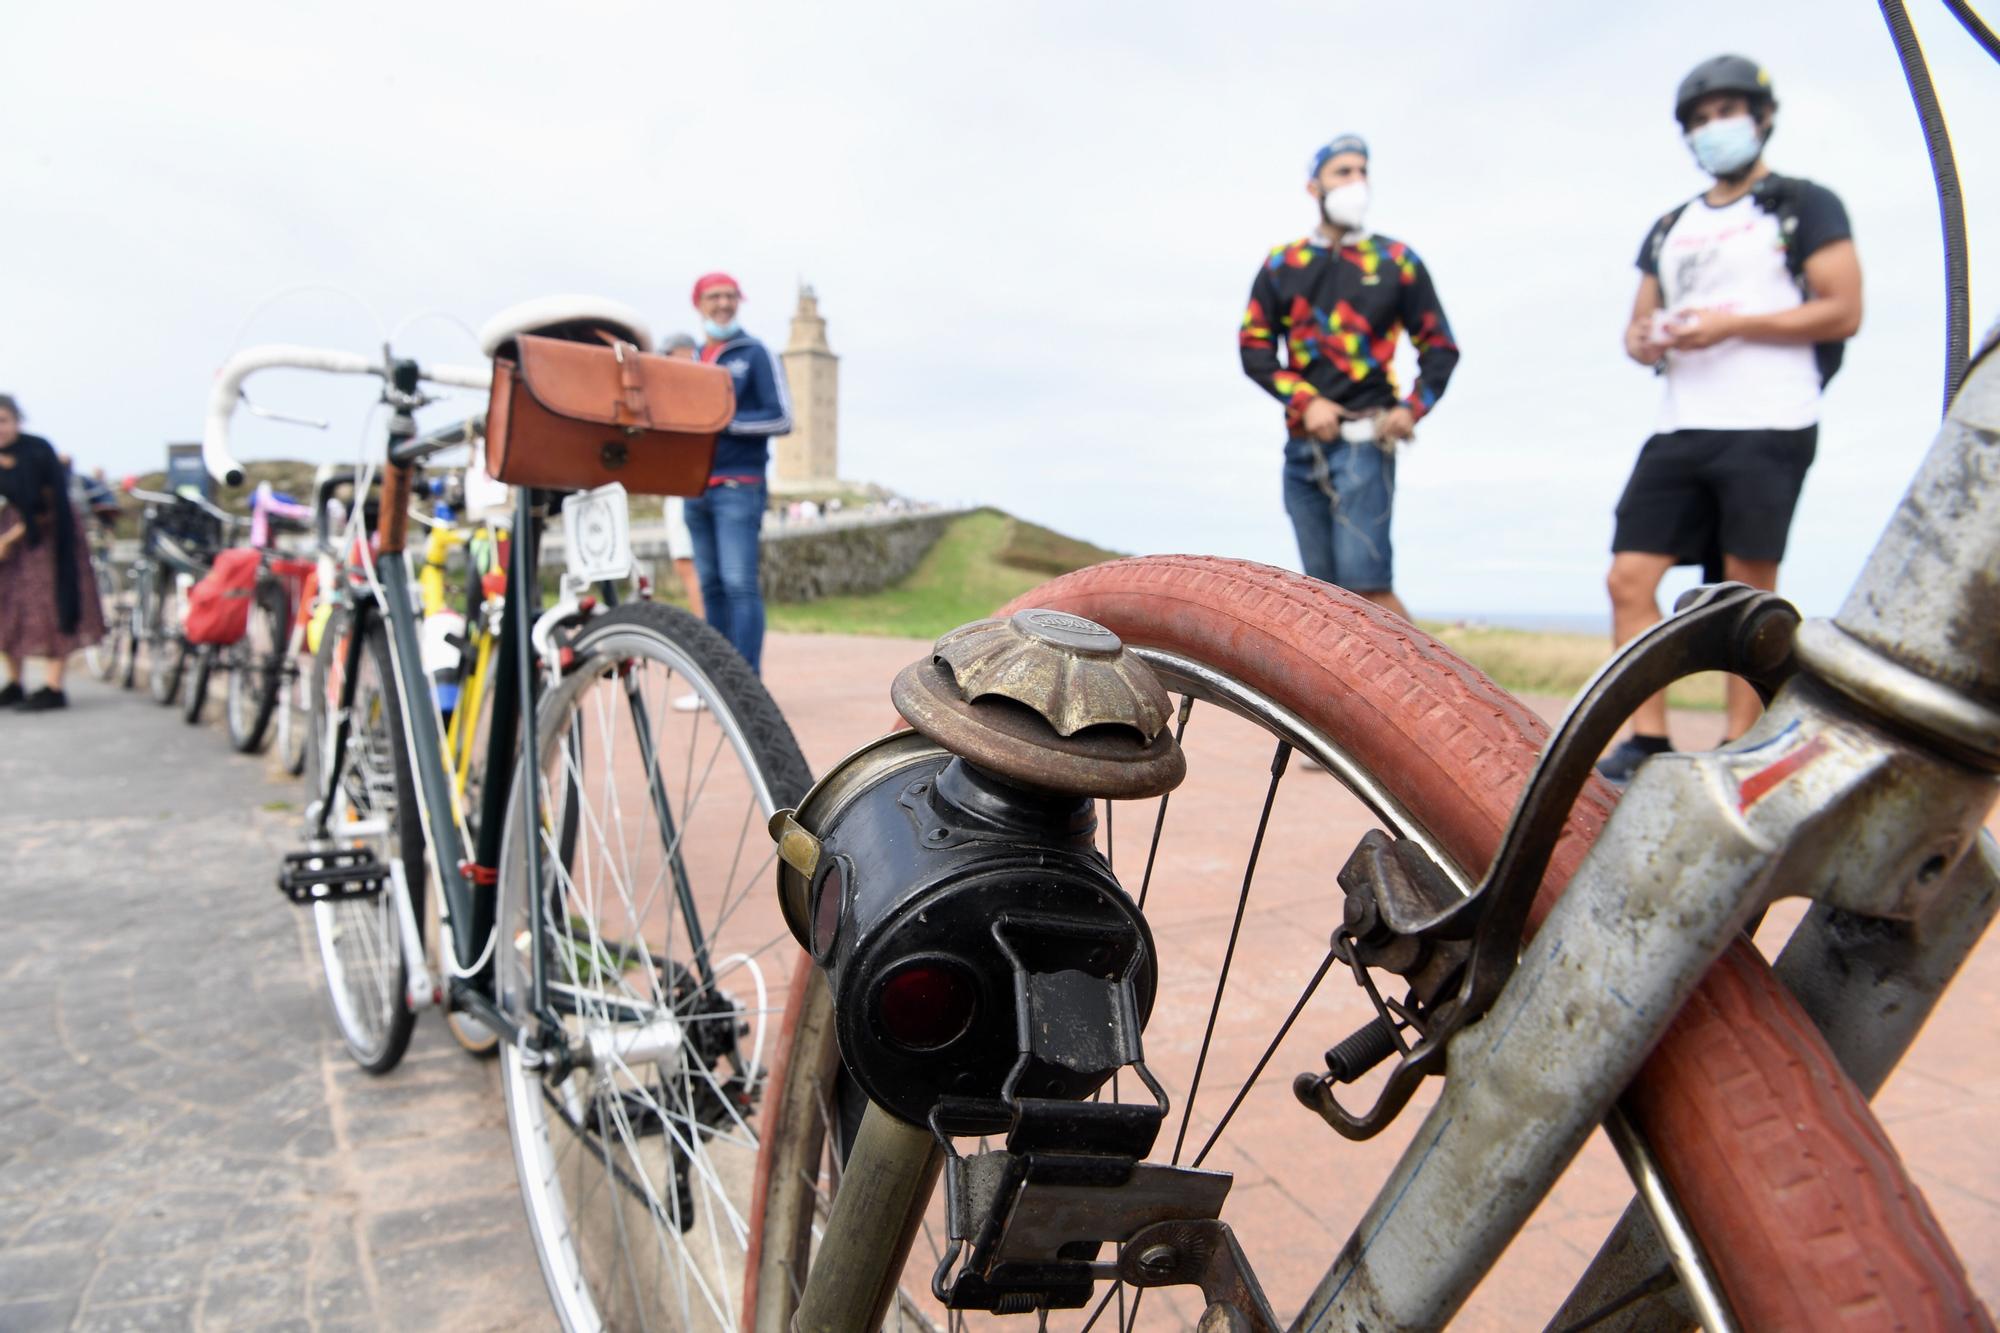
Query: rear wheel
column 662, row 949
column 1263, row 660
column 373, row 809
column 257, row 667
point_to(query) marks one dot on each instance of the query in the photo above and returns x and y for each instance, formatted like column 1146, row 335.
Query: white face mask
column 1345, row 206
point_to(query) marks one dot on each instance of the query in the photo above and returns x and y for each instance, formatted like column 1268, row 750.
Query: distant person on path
column 1336, row 300
column 48, row 600
column 680, row 545
column 1746, row 293
column 725, row 522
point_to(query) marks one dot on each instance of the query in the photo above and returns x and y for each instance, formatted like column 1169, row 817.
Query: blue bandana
column 1340, row 143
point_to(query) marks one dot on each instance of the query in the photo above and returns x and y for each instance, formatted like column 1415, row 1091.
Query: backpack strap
column 1779, row 196
column 1656, row 239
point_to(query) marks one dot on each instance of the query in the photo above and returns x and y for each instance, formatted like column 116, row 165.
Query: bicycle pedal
column 328, row 876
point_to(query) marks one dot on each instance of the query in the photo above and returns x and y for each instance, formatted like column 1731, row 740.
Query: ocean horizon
column 1538, row 622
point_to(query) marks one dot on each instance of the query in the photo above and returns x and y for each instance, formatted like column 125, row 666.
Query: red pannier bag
column 219, row 605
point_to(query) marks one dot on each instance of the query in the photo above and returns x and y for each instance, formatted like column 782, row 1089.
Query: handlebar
column 186, row 496
column 228, row 390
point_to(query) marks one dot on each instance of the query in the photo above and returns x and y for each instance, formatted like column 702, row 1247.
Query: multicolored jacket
column 1338, row 313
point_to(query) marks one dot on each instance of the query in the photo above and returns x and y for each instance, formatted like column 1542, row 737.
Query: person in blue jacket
column 725, row 521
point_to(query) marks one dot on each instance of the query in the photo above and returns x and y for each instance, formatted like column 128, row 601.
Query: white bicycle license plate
column 597, row 534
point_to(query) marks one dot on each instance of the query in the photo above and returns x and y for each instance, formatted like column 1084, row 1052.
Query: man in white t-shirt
column 1746, row 293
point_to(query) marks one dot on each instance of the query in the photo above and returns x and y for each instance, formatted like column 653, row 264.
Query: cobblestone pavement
column 183, row 1141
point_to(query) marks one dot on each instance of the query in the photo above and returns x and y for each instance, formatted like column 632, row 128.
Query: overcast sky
column 1032, row 227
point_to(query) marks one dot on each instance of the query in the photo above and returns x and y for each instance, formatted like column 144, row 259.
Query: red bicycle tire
column 1805, row 1210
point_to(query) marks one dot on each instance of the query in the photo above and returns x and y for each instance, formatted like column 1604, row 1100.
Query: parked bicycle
column 259, row 647
column 179, row 536
column 608, row 920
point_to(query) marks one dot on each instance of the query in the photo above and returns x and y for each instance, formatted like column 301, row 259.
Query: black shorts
column 1698, row 495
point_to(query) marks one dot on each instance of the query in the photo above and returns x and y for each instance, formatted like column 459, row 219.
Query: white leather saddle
column 566, row 316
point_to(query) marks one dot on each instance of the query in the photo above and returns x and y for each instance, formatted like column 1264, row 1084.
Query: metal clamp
column 1459, row 952
column 1203, row 1254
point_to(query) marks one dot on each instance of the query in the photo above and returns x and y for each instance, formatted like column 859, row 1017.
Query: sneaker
column 1618, row 767
column 690, row 703
column 11, row 695
column 44, row 699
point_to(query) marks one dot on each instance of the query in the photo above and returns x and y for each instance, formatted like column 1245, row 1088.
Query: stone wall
column 848, row 553
column 807, row 561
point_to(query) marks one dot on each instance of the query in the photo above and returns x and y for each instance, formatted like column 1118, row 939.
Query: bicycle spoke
column 1160, row 817
column 1279, row 759
column 1312, row 986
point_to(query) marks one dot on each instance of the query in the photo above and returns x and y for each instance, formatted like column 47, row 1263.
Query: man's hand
column 10, row 540
column 1396, row 425
column 1322, row 419
column 1693, row 330
column 1639, row 344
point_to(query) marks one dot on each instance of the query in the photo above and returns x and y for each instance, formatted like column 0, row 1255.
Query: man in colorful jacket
column 726, row 521
column 1336, row 300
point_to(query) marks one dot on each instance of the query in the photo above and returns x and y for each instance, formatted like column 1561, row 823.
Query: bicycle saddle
column 566, row 316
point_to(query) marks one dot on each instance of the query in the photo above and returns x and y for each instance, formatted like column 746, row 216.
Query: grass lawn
column 983, row 560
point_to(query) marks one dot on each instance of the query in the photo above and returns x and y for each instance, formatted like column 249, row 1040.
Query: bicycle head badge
column 947, row 878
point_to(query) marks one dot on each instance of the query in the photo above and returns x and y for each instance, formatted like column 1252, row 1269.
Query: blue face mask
column 1724, row 147
column 717, row 332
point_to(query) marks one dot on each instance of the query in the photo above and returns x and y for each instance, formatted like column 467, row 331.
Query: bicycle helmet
column 1725, row 74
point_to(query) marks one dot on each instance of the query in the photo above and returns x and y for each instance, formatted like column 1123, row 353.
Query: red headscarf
column 707, row 281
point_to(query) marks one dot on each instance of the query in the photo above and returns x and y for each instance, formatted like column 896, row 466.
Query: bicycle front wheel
column 101, row 657
column 662, row 957
column 373, row 808
column 1269, row 666
column 194, row 681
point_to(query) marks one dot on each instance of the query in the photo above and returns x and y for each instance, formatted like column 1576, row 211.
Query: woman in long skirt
column 48, row 600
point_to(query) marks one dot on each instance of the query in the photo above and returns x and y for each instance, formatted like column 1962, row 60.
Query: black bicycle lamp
column 947, row 880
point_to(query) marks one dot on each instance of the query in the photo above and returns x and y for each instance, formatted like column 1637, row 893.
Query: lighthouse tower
column 809, row 457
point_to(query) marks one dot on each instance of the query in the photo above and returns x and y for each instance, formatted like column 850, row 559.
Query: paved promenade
column 184, row 1143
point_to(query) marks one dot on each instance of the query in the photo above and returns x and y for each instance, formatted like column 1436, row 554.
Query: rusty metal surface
column 1868, row 986
column 1965, row 725
column 1700, row 843
column 1929, row 596
column 1203, row 1254
column 1072, row 672
column 1006, row 738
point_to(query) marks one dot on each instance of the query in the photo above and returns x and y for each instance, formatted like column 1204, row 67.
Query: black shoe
column 43, row 700
column 1618, row 767
column 11, row 695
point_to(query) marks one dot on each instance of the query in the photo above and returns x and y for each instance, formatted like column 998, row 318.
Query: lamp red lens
column 926, row 1004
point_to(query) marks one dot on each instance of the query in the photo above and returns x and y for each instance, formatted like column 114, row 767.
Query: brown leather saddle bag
column 572, row 416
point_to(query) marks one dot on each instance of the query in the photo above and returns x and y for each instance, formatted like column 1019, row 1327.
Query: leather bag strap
column 634, row 410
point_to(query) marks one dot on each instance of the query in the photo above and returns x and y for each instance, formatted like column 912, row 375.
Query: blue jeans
column 1339, row 496
column 724, row 525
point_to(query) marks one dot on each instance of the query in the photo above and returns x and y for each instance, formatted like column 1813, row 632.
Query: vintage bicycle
column 607, row 923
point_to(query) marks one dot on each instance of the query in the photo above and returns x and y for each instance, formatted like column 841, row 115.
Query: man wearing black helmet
column 1746, row 294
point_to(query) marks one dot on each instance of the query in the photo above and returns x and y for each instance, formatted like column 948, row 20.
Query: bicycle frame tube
column 1817, row 799
column 521, row 578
